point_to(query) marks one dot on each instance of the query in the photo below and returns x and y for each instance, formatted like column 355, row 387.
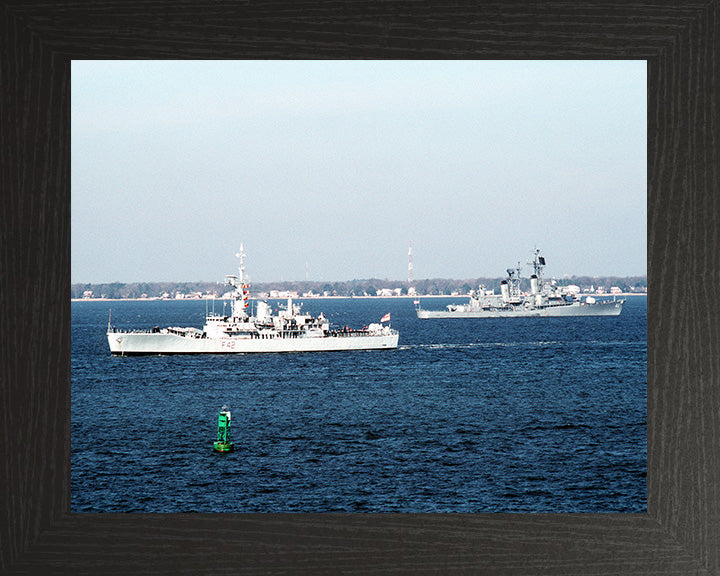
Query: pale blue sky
column 342, row 163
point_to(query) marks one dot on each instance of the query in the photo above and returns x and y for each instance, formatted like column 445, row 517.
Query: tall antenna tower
column 410, row 263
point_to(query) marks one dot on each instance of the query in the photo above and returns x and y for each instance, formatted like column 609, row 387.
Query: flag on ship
column 385, row 318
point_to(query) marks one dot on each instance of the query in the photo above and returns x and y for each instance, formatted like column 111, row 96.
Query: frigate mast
column 538, row 265
column 241, row 289
column 513, row 282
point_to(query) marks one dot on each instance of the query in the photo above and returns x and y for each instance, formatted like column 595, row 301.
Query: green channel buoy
column 223, row 443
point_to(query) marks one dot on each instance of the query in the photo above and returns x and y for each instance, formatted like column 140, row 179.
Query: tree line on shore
column 370, row 287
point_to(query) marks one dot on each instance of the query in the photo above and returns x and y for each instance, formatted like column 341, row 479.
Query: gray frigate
column 542, row 300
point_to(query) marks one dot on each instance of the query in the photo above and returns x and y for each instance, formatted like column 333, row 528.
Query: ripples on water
column 484, row 415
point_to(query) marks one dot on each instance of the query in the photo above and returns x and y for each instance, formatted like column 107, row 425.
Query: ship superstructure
column 543, row 299
column 287, row 331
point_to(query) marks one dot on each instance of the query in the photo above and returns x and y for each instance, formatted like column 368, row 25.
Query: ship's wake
column 533, row 344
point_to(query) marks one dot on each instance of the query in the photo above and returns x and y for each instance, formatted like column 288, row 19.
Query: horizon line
column 309, row 281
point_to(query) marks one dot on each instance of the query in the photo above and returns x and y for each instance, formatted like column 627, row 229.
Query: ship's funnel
column 505, row 291
column 533, row 284
column 264, row 313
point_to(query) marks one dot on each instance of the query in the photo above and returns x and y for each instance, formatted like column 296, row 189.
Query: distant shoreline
column 403, row 297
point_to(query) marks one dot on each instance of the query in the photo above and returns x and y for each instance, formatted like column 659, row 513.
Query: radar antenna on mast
column 538, row 263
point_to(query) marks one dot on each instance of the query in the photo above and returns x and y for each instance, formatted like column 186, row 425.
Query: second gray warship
column 543, row 299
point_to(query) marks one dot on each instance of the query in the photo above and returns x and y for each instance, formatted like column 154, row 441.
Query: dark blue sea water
column 484, row 415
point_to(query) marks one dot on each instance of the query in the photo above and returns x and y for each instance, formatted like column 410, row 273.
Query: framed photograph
column 669, row 533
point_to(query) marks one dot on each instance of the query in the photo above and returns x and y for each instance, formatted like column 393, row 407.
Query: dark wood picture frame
column 680, row 533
